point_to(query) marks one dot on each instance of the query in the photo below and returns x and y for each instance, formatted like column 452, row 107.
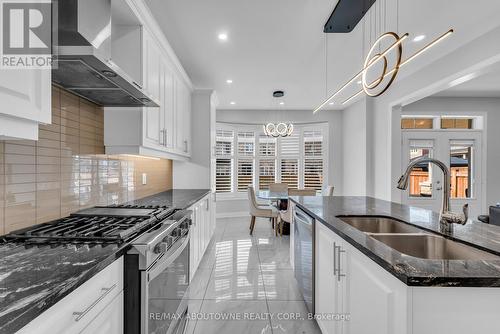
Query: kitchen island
column 385, row 290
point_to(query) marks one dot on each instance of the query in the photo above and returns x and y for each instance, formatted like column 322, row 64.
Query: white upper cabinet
column 26, row 101
column 163, row 131
column 183, row 118
column 152, row 79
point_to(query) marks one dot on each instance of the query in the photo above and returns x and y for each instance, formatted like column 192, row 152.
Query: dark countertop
column 411, row 270
column 33, row 279
column 177, row 198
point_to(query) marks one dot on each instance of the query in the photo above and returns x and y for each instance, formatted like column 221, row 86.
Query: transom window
column 246, row 156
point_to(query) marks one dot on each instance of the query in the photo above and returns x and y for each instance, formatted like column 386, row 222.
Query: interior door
column 461, row 151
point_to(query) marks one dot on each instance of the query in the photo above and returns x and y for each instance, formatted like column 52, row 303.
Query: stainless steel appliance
column 303, row 225
column 116, row 224
column 157, row 278
column 84, row 60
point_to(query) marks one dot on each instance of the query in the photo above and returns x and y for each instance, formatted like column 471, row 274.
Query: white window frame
column 257, row 129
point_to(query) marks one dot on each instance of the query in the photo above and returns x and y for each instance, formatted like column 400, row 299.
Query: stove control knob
column 161, row 248
column 169, row 240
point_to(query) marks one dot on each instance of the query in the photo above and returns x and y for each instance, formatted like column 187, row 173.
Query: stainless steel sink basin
column 428, row 246
column 373, row 224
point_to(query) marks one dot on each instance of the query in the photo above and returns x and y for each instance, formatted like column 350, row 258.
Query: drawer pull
column 105, row 291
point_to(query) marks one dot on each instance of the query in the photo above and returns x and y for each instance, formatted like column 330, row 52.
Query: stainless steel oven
column 304, row 255
column 157, row 278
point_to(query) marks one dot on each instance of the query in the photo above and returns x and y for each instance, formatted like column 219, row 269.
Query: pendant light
column 379, row 55
column 278, row 129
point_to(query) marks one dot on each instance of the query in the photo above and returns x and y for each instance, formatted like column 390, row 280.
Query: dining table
column 272, row 195
column 279, row 200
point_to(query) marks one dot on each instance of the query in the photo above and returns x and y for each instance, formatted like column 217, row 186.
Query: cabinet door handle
column 339, row 270
column 185, row 146
column 162, row 137
column 105, row 291
column 334, row 259
column 165, row 138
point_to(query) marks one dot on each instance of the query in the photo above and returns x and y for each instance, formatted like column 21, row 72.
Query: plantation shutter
column 267, row 173
column 289, row 160
column 224, row 161
column 313, row 160
column 223, row 175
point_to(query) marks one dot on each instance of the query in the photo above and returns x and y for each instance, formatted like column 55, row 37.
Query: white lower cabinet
column 328, row 299
column 349, row 283
column 353, row 294
column 202, row 230
column 93, row 306
column 110, row 320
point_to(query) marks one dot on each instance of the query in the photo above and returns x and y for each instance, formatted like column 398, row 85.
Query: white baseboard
column 232, row 214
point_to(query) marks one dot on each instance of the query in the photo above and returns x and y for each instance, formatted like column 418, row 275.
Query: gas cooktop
column 113, row 224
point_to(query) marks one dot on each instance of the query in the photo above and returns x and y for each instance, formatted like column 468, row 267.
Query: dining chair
column 328, row 191
column 261, row 211
column 278, row 187
column 286, row 215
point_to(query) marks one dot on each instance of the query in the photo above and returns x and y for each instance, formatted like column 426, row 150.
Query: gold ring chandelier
column 278, row 129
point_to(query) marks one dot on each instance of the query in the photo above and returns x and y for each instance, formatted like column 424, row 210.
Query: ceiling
column 280, row 44
column 271, row 45
column 487, row 85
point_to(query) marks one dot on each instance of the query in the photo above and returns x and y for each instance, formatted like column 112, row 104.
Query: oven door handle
column 167, row 259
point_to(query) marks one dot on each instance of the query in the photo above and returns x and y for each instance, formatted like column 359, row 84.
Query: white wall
column 195, row 173
column 383, row 112
column 335, row 165
column 489, row 108
column 354, row 154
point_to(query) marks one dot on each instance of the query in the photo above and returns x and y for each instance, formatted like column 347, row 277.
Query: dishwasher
column 303, row 248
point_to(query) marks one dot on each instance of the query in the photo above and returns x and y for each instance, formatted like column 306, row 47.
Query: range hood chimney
column 84, row 64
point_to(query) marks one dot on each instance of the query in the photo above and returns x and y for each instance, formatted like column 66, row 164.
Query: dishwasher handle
column 301, row 217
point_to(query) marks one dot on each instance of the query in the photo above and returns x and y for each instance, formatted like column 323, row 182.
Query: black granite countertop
column 176, row 198
column 412, row 271
column 32, row 279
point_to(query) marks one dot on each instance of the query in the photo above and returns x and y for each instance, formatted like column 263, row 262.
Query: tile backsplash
column 67, row 170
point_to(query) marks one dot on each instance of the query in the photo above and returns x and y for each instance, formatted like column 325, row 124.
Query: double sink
column 413, row 241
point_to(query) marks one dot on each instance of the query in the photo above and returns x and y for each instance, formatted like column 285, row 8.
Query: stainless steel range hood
column 84, row 62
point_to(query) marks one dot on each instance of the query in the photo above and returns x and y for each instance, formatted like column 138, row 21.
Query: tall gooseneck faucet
column 446, row 217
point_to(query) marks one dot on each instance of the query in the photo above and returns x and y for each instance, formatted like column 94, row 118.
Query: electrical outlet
column 144, row 179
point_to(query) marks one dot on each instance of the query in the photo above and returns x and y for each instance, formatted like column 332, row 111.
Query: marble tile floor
column 249, row 280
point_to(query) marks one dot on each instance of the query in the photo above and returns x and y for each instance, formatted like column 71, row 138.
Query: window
column 246, row 156
column 267, row 173
column 245, row 174
column 224, row 161
column 290, row 172
column 416, row 123
column 461, row 154
column 456, row 123
column 313, row 162
column 267, row 146
column 246, row 143
column 224, row 143
column 223, row 183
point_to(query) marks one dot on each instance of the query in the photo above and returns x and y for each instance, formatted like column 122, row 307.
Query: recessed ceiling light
column 232, row 103
column 359, row 82
column 222, row 36
column 282, row 103
column 331, row 103
column 419, row 38
column 229, row 81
